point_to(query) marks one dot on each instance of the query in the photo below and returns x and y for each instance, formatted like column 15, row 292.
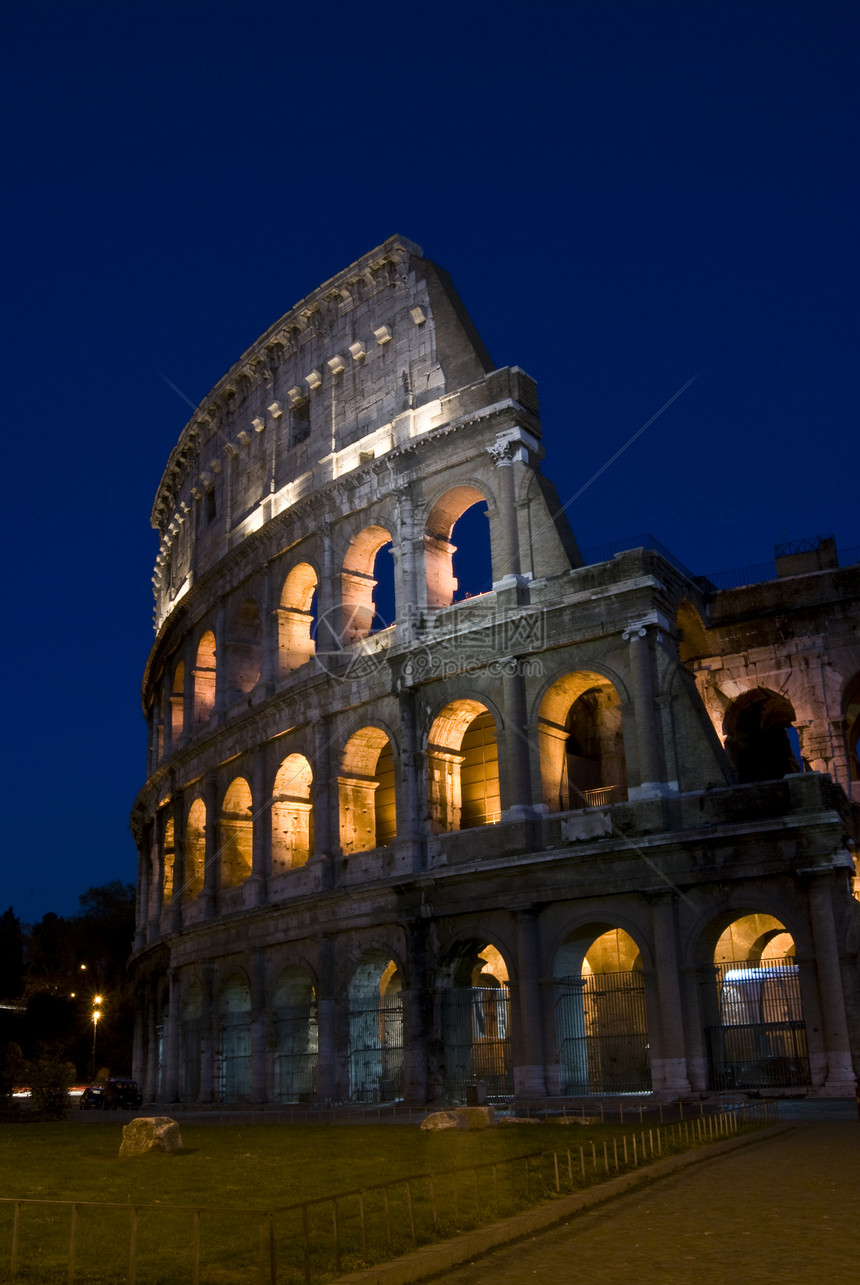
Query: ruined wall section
column 353, row 370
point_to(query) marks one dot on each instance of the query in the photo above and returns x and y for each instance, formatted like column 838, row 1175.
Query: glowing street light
column 96, row 1016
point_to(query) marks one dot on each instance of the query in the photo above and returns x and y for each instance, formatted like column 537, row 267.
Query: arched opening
column 177, row 703
column 759, row 731
column 292, row 814
column 375, row 1030
column 476, row 1023
column 367, row 585
column 457, row 553
column 233, row 1058
column 463, row 768
column 189, row 1048
column 244, row 649
column 755, row 1032
column 169, row 846
column 195, row 849
column 851, row 712
column 368, row 815
column 692, row 635
column 236, row 832
column 204, row 678
column 295, row 1035
column 581, row 743
column 601, row 1026
column 297, row 617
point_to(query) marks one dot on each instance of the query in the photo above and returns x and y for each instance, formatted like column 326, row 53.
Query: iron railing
column 106, row 1243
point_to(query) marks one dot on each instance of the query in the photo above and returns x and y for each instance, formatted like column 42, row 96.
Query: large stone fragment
column 443, row 1120
column 462, row 1118
column 150, row 1133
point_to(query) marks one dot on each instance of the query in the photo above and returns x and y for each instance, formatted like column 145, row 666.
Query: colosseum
column 585, row 825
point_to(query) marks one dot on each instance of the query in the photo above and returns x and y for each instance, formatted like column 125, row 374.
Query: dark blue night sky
column 624, row 194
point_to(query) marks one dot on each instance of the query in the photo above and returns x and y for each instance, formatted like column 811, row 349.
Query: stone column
column 407, row 589
column 143, row 860
column 171, row 1040
column 328, row 602
column 840, row 1081
column 174, row 907
column 325, row 799
column 156, row 891
column 669, row 1070
column 221, row 654
column 417, row 1023
column 212, row 869
column 326, row 1023
column 208, row 1035
column 409, row 828
column 648, row 740
column 517, row 744
column 504, row 452
column 529, row 1081
column 259, row 1029
column 261, row 834
column 150, row 1081
column 269, row 635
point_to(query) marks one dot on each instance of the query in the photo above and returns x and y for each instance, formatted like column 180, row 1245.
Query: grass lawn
column 266, row 1167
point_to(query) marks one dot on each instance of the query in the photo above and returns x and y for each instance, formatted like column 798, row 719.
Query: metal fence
column 476, row 1038
column 757, row 1036
column 602, row 1033
column 315, row 1240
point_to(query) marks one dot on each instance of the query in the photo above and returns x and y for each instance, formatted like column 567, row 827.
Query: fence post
column 132, row 1249
column 433, row 1205
column 267, row 1251
column 335, row 1231
column 74, row 1228
column 306, row 1244
column 387, row 1217
column 195, row 1250
column 13, row 1265
column 411, row 1213
column 555, row 1161
column 363, row 1226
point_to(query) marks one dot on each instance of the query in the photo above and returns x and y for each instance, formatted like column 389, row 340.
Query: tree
column 11, row 955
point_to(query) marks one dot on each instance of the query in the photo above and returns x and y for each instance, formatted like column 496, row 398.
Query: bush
column 51, row 1076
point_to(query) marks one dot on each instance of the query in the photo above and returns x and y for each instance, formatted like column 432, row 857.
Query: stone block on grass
column 150, row 1133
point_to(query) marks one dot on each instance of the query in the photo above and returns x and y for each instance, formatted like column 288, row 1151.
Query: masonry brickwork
column 589, row 830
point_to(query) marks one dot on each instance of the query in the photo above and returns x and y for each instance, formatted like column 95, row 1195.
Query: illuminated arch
column 375, row 1002
column 358, row 583
column 177, row 703
column 233, row 1064
column 297, row 617
column 292, row 814
column 581, row 743
column 295, row 1034
column 439, row 550
column 475, row 1019
column 600, row 1013
column 368, row 814
column 169, row 845
column 195, row 849
column 463, row 768
column 204, row 678
column 236, row 833
column 244, row 648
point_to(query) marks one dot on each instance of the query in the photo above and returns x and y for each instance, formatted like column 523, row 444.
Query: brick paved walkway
column 780, row 1212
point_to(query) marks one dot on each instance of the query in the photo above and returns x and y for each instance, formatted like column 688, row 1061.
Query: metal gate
column 756, row 1038
column 602, row 1034
column 296, row 1046
column 233, row 1069
column 476, row 1040
column 376, row 1048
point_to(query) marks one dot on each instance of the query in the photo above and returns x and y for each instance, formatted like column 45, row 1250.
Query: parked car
column 113, row 1095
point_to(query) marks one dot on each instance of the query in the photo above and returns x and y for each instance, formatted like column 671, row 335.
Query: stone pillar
column 173, row 921
column 325, row 800
column 328, row 601
column 171, row 1037
column 212, row 869
column 156, row 891
column 529, row 1081
column 517, row 744
column 669, row 1069
column 326, row 1023
column 208, row 1035
column 221, row 653
column 269, row 635
column 504, row 452
column 138, row 1047
column 417, row 1017
column 150, row 1080
column 261, row 835
column 648, row 740
column 143, row 859
column 259, row 1029
column 840, row 1081
column 410, row 802
column 407, row 596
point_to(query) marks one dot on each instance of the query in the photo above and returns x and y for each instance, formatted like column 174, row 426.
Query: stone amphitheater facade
column 588, row 830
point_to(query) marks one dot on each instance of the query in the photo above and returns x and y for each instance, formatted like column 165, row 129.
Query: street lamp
column 96, row 1016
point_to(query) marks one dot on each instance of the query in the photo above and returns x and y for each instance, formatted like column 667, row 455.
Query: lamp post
column 96, row 1016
